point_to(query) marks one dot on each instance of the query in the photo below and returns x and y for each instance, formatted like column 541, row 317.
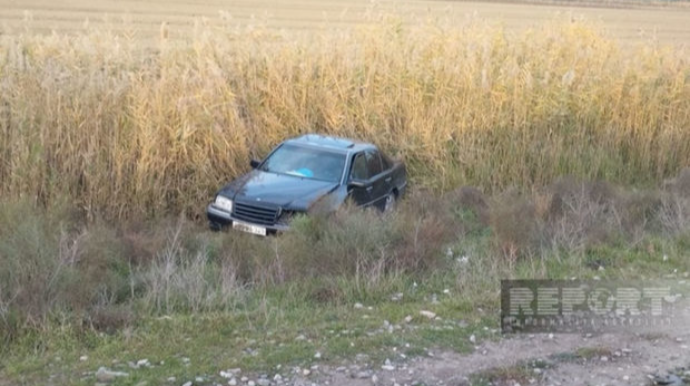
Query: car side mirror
column 359, row 184
column 254, row 164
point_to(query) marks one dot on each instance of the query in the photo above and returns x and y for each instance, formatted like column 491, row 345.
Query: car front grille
column 255, row 214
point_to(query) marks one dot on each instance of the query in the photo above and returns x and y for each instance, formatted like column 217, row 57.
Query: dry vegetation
column 123, row 131
column 56, row 267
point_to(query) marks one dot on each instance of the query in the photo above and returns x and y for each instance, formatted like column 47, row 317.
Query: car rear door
column 379, row 178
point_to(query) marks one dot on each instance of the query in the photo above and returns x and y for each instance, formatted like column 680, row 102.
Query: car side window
column 373, row 163
column 359, row 168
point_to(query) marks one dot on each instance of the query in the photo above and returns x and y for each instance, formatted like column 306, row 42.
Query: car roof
column 344, row 145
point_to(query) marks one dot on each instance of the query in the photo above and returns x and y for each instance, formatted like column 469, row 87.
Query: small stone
column 427, row 314
column 143, row 362
column 83, row 358
column 251, row 383
column 317, row 355
column 232, row 382
column 172, row 379
column 670, row 380
column 374, row 378
column 278, row 378
column 473, row 338
column 408, row 319
column 388, row 367
column 105, row 375
column 187, row 384
column 604, row 359
column 359, row 306
column 263, row 382
column 306, row 372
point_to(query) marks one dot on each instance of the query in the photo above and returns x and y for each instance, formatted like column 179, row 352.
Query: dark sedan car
column 304, row 173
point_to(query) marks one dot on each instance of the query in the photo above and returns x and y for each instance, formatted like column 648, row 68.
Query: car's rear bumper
column 219, row 218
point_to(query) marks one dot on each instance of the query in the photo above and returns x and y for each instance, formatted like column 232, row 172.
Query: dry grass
column 57, row 266
column 124, row 132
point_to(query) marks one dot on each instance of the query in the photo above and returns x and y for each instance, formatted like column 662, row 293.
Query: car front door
column 359, row 173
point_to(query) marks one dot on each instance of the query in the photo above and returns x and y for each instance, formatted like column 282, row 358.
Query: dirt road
column 609, row 359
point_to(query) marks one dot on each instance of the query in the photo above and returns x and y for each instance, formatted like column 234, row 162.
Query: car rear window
column 306, row 162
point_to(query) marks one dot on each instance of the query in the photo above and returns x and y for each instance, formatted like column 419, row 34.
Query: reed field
column 126, row 129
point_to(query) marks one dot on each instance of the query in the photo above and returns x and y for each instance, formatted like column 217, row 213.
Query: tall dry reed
column 129, row 129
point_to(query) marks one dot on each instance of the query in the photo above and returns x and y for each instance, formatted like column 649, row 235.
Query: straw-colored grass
column 124, row 130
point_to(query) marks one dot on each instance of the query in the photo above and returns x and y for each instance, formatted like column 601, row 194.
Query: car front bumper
column 219, row 218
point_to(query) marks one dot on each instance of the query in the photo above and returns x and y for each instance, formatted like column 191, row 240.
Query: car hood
column 289, row 192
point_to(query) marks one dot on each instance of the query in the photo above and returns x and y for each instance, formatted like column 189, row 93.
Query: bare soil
column 660, row 357
column 545, row 359
column 143, row 18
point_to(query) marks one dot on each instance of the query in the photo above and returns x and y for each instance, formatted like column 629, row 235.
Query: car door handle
column 388, row 179
column 369, row 188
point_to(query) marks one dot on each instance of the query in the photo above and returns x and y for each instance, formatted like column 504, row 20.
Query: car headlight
column 224, row 203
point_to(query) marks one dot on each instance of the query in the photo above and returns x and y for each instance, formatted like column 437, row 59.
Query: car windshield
column 306, row 162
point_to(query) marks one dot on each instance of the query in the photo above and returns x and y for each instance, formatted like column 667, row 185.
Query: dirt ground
column 544, row 359
column 143, row 18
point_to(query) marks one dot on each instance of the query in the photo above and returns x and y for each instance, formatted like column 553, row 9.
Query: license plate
column 249, row 228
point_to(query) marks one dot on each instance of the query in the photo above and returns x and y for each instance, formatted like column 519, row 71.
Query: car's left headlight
column 224, row 203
